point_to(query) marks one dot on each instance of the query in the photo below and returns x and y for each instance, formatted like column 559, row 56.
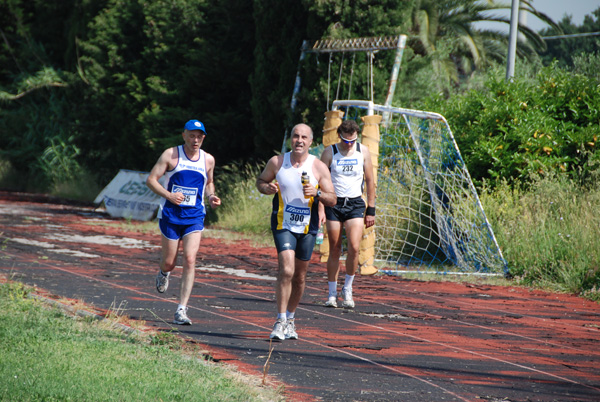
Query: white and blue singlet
column 188, row 177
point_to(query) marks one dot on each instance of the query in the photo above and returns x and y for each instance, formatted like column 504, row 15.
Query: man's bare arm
column 264, row 181
column 327, row 197
column 213, row 199
column 158, row 171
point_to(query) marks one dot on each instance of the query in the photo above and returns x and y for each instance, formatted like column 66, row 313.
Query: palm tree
column 444, row 31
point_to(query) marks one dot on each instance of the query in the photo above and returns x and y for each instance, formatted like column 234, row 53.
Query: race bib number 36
column 296, row 216
column 190, row 195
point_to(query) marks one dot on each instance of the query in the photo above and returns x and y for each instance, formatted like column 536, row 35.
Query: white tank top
column 291, row 211
column 347, row 172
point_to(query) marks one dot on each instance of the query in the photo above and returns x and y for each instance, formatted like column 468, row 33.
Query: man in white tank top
column 181, row 217
column 294, row 220
column 351, row 168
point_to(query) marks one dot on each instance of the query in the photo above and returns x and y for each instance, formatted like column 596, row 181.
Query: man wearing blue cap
column 189, row 171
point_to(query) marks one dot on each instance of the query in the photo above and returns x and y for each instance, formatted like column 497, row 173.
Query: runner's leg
column 191, row 243
column 283, row 286
column 168, row 254
column 298, row 284
column 334, row 234
column 354, row 232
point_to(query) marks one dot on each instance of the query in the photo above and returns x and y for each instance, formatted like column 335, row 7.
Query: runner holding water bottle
column 294, row 220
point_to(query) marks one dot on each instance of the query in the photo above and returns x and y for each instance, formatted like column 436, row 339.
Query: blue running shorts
column 175, row 232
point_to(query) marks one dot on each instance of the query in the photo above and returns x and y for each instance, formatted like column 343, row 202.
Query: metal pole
column 394, row 77
column 395, row 70
column 512, row 39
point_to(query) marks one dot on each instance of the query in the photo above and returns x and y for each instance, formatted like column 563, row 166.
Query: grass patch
column 83, row 187
column 244, row 208
column 549, row 233
column 48, row 356
column 230, row 236
column 130, row 225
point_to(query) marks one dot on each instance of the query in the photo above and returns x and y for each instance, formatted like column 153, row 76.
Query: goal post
column 429, row 216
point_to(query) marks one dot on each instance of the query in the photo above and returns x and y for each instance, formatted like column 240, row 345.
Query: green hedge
column 524, row 127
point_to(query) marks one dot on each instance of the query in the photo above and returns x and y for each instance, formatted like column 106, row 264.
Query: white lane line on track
column 345, row 352
column 451, row 347
column 478, row 306
column 52, row 248
column 220, row 268
column 444, row 345
column 500, row 331
column 242, row 273
column 507, row 312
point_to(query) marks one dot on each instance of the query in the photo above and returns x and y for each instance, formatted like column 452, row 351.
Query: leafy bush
column 514, row 130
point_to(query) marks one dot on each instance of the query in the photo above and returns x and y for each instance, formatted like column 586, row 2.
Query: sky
column 555, row 9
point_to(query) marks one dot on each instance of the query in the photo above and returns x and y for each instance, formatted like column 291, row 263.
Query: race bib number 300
column 190, row 195
column 296, row 216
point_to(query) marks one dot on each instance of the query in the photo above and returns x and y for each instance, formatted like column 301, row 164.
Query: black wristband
column 371, row 211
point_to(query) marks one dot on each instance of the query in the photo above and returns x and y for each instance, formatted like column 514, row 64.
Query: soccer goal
column 429, row 216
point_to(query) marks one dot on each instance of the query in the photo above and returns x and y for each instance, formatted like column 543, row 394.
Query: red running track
column 406, row 340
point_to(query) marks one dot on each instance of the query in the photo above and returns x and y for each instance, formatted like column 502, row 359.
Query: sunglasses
column 348, row 141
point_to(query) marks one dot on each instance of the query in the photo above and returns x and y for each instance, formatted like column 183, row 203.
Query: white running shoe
column 290, row 330
column 331, row 302
column 278, row 330
column 162, row 281
column 181, row 317
column 347, row 296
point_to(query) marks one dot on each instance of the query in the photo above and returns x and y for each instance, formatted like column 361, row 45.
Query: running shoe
column 278, row 330
column 162, row 281
column 331, row 302
column 290, row 330
column 181, row 317
column 347, row 296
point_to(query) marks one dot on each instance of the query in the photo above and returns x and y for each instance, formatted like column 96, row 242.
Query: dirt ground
column 406, row 340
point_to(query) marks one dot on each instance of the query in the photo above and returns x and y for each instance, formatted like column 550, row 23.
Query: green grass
column 244, row 209
column 549, row 233
column 48, row 356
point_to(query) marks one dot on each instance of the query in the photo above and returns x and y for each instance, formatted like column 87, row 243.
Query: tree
column 280, row 29
column 443, row 31
column 36, row 137
column 332, row 19
column 564, row 49
column 153, row 65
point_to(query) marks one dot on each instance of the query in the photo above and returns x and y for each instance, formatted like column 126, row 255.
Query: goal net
column 429, row 216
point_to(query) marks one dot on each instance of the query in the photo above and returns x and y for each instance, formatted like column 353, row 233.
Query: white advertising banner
column 127, row 196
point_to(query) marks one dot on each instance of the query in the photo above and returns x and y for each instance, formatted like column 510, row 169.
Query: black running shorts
column 301, row 243
column 345, row 209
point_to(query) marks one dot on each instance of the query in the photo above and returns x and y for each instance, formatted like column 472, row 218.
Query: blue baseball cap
column 194, row 125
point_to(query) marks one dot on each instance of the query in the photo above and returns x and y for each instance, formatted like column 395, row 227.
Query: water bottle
column 320, row 235
column 305, row 180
